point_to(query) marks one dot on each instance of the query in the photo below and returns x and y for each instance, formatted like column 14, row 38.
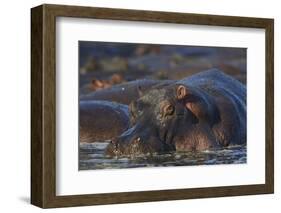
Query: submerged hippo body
column 204, row 111
column 101, row 120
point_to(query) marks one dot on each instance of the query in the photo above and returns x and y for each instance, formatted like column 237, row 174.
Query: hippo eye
column 169, row 109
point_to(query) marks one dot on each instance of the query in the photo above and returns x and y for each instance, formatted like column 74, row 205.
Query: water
column 92, row 157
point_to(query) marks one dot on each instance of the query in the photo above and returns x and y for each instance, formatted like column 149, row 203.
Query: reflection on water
column 92, row 157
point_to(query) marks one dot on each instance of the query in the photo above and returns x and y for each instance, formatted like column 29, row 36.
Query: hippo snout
column 135, row 143
column 124, row 145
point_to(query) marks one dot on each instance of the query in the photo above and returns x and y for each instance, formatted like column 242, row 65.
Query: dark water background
column 102, row 61
column 92, row 157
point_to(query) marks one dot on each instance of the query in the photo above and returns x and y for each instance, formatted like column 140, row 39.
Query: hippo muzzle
column 137, row 140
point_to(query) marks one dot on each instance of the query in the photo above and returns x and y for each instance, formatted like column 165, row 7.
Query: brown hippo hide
column 101, row 120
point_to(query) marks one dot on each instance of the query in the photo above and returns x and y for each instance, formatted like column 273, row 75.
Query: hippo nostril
column 114, row 143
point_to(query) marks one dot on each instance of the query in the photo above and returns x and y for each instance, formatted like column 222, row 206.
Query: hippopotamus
column 95, row 118
column 202, row 112
column 124, row 93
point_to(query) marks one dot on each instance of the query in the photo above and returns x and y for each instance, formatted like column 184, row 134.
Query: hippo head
column 157, row 117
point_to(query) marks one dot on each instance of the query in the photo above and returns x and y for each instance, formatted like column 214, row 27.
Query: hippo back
column 216, row 80
column 101, row 120
column 123, row 93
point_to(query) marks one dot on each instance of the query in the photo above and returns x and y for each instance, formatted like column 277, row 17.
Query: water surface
column 92, row 157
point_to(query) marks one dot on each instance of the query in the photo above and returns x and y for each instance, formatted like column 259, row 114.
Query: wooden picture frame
column 43, row 105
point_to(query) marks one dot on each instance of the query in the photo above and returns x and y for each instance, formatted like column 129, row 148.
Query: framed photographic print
column 136, row 106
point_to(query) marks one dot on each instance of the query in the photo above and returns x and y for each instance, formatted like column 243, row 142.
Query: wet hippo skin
column 101, row 120
column 201, row 112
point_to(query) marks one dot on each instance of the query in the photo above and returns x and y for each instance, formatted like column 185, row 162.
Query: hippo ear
column 181, row 92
